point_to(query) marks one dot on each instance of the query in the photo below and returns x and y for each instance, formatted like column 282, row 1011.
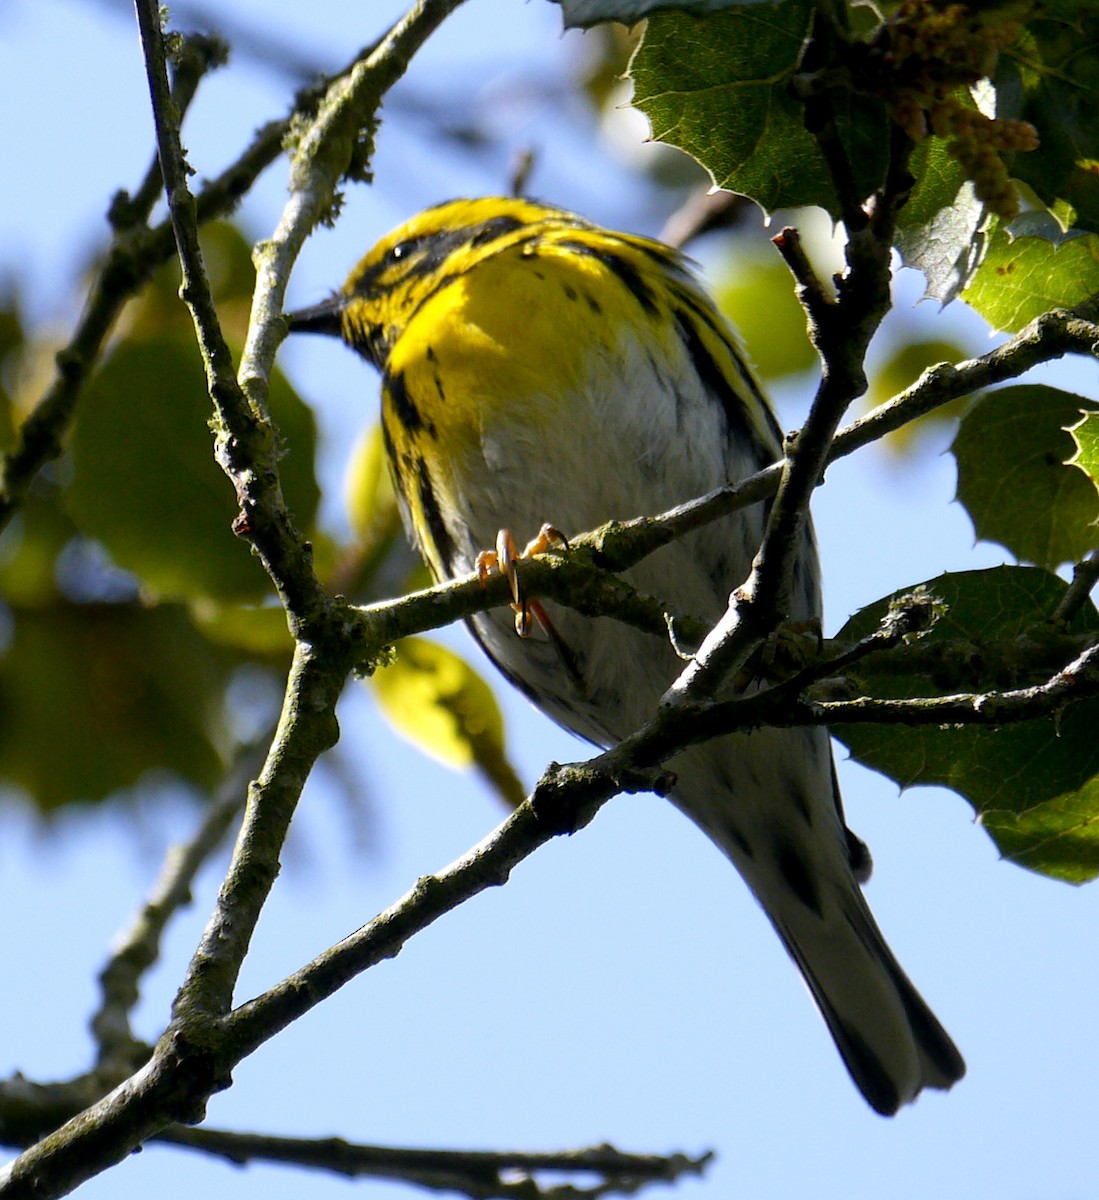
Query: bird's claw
column 505, row 558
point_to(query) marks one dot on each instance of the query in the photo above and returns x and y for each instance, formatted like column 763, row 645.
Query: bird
column 536, row 368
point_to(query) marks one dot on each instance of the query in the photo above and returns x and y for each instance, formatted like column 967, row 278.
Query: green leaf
column 759, row 299
column 145, row 483
column 901, row 369
column 1085, row 436
column 937, row 228
column 1050, row 78
column 582, row 14
column 260, row 633
column 1059, row 838
column 1035, row 780
column 1014, row 477
column 717, row 87
column 29, row 550
column 434, row 698
column 11, row 346
column 1022, row 278
column 232, row 278
column 95, row 696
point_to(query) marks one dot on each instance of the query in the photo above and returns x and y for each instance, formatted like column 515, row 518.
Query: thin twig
column 841, row 330
column 1078, row 680
column 1085, row 576
column 704, row 211
column 138, row 948
column 694, row 722
column 486, row 1175
column 194, row 1058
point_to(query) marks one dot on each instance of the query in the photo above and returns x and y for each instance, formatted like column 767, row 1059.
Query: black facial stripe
column 424, row 255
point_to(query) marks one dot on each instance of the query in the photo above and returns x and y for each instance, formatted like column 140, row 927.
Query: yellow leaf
column 368, row 490
column 434, row 698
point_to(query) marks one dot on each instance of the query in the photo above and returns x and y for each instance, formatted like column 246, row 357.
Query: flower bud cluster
column 930, row 53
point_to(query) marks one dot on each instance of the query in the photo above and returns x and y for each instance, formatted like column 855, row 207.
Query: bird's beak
column 326, row 317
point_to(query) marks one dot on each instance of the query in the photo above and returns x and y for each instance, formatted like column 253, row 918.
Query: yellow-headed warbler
column 537, row 367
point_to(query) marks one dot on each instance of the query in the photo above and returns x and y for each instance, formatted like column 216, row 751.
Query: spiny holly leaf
column 1058, row 838
column 717, row 87
column 1051, row 78
column 1021, row 278
column 1036, row 780
column 1014, row 477
column 937, row 228
column 438, row 701
column 582, row 14
column 1085, row 436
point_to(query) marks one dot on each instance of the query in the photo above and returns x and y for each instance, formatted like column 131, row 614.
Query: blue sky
column 623, row 986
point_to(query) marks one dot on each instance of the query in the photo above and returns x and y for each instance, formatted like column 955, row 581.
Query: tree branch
column 139, row 946
column 1085, row 575
column 191, row 1061
column 841, row 330
column 1078, row 680
column 206, row 1039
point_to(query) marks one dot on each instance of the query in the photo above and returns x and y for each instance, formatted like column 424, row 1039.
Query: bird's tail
column 891, row 1043
column 790, row 843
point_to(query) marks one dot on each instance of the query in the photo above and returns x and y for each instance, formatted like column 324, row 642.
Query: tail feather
column 785, row 833
column 940, row 1059
column 892, row 1047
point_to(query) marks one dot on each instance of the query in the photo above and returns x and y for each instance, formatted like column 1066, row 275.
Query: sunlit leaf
column 259, row 632
column 1085, row 437
column 1059, row 837
column 368, row 489
column 1022, row 278
column 760, row 300
column 937, row 228
column 900, row 370
column 439, row 702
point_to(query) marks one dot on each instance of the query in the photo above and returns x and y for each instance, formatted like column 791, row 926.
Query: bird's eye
column 399, row 250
